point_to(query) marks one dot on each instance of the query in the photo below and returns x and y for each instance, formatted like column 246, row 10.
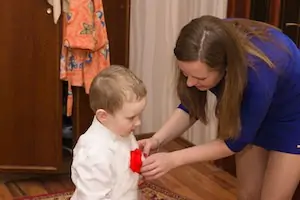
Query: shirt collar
column 105, row 132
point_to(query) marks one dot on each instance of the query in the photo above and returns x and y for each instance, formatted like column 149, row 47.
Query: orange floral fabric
column 85, row 49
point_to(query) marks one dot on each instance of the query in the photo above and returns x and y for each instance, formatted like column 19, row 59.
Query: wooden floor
column 201, row 181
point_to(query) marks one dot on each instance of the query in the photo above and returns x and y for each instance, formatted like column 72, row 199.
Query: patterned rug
column 62, row 189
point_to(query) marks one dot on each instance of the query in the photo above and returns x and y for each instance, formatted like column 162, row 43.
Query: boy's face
column 124, row 121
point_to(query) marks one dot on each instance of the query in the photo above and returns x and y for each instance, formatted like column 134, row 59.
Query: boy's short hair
column 113, row 86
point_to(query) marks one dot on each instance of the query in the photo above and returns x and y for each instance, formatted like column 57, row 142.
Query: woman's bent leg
column 281, row 177
column 250, row 169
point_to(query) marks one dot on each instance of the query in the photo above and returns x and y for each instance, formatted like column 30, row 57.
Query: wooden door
column 30, row 103
column 117, row 17
column 266, row 11
column 281, row 13
column 290, row 19
column 290, row 24
column 239, row 8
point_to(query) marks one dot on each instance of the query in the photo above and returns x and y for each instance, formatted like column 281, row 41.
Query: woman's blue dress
column 270, row 111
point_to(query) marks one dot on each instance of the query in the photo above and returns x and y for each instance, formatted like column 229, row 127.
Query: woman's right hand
column 146, row 145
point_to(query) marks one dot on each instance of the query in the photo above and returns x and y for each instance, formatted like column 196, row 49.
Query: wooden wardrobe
column 31, row 91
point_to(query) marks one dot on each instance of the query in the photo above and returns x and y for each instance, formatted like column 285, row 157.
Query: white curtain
column 154, row 27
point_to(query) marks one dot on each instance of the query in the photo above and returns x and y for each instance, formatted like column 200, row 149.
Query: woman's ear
column 101, row 115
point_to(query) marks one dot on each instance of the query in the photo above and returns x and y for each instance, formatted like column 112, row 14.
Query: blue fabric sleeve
column 182, row 107
column 258, row 94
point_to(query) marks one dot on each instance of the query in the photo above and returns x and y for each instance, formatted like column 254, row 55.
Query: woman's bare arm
column 176, row 125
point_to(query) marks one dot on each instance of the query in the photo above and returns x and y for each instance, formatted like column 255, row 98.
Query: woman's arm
column 213, row 150
column 176, row 125
column 158, row 164
column 258, row 97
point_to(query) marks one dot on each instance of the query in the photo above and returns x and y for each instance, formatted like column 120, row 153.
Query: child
column 106, row 158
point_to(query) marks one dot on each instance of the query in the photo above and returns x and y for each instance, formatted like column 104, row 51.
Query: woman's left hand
column 157, row 165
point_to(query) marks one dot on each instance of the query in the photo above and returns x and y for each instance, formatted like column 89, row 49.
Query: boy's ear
column 101, row 115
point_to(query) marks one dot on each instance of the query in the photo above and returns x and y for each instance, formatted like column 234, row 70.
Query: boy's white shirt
column 100, row 168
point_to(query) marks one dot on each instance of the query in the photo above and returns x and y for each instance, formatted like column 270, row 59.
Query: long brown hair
column 223, row 45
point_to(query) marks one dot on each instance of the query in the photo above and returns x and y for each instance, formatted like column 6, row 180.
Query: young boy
column 102, row 167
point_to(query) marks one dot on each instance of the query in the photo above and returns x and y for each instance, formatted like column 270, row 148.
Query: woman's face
column 200, row 75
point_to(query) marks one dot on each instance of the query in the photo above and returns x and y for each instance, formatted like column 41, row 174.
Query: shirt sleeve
column 93, row 177
column 258, row 95
column 182, row 107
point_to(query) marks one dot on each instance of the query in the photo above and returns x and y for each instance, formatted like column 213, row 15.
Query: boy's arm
column 93, row 179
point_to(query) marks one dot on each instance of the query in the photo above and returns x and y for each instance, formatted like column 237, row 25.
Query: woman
column 254, row 70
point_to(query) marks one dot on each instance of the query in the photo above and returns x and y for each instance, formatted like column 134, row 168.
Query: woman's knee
column 251, row 165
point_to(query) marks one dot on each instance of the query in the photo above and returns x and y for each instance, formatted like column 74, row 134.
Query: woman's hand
column 146, row 145
column 157, row 165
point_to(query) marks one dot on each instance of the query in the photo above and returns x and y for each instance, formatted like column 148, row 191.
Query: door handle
column 292, row 24
column 49, row 11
